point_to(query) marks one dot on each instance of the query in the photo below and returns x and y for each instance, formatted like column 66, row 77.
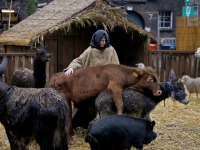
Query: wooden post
column 9, row 15
column 146, row 48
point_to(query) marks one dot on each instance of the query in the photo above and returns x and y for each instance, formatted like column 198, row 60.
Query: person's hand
column 69, row 72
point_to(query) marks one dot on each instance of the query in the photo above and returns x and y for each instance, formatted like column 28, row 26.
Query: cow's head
column 149, row 81
column 42, row 54
column 177, row 90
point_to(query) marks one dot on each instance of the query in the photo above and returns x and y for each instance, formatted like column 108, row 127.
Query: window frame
column 197, row 11
column 164, row 22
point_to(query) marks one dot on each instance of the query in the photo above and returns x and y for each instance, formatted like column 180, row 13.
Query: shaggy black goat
column 33, row 114
column 139, row 105
column 24, row 77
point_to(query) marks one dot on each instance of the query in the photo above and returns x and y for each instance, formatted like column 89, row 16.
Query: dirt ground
column 177, row 126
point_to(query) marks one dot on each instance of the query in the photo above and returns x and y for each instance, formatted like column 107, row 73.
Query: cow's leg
column 116, row 92
column 197, row 96
column 74, row 110
column 70, row 129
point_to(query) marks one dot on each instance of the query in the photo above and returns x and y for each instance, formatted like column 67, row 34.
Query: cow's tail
column 89, row 138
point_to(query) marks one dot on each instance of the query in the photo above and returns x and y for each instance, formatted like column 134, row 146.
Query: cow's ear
column 137, row 72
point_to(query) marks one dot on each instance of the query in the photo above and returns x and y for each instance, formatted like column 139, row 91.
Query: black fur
column 34, row 114
column 24, row 77
column 120, row 132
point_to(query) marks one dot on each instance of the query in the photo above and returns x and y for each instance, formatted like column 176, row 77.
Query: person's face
column 102, row 42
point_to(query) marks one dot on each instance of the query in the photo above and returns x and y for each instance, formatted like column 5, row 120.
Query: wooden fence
column 17, row 60
column 181, row 61
column 187, row 33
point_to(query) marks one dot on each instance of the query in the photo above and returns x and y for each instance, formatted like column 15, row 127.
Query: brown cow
column 85, row 84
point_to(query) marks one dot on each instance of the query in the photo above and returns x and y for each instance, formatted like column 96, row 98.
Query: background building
column 148, row 14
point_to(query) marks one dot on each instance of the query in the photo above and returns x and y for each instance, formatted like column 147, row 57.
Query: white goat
column 197, row 53
column 140, row 65
column 192, row 84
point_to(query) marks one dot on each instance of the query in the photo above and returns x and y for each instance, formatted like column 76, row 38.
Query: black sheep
column 139, row 105
column 24, row 77
column 30, row 114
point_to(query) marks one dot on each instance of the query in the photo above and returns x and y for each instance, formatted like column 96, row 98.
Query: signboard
column 40, row 5
column 187, row 1
column 188, row 11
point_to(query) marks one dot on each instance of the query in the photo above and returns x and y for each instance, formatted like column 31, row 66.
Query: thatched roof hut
column 61, row 14
column 67, row 26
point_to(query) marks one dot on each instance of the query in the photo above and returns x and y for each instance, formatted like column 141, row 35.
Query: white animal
column 192, row 84
column 197, row 53
column 140, row 65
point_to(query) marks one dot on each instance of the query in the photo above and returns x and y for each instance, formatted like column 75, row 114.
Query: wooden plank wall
column 187, row 33
column 17, row 60
column 181, row 61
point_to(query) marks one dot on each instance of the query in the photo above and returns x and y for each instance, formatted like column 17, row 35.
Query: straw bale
column 177, row 126
column 63, row 14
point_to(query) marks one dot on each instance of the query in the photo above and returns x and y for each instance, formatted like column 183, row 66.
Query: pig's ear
column 150, row 125
column 137, row 72
column 153, row 124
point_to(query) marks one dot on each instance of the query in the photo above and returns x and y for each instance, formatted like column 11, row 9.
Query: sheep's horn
column 3, row 65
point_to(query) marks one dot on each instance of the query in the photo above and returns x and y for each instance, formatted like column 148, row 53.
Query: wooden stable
column 181, row 61
column 67, row 27
column 66, row 47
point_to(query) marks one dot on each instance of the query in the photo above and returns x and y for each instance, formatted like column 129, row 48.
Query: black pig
column 120, row 132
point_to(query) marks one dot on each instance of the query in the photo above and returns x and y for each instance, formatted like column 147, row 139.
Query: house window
column 192, row 1
column 196, row 8
column 165, row 19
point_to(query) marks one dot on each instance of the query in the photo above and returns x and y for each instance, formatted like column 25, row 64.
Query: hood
column 96, row 38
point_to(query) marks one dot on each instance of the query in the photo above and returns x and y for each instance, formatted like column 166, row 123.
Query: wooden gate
column 17, row 60
column 181, row 61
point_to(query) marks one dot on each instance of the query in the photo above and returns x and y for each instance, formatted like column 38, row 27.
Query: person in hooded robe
column 100, row 52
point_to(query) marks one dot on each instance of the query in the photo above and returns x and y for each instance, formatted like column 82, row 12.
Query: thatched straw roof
column 62, row 14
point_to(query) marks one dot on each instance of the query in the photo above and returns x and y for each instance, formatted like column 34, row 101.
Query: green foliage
column 31, row 7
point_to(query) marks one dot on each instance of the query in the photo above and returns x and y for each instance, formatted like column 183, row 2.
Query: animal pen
column 17, row 60
column 182, row 59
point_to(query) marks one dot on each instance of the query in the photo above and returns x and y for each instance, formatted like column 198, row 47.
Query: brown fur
column 85, row 84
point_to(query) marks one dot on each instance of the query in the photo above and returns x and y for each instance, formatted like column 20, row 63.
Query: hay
column 61, row 15
column 177, row 126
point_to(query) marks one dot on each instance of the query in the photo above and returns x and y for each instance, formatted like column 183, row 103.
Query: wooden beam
column 146, row 48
